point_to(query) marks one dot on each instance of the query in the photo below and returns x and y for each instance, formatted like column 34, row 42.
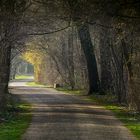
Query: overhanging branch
column 51, row 32
column 101, row 25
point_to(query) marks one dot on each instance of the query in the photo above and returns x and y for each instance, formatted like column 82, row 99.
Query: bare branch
column 51, row 32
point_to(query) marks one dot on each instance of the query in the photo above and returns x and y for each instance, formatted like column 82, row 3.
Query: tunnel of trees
column 82, row 44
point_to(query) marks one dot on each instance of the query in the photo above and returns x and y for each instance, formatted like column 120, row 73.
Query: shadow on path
column 59, row 116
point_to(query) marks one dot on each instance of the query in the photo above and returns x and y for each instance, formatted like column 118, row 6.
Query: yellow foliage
column 37, row 58
column 33, row 57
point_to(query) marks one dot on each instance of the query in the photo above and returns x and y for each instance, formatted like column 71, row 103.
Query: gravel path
column 59, row 116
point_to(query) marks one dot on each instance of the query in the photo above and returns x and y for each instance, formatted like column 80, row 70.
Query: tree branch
column 51, row 32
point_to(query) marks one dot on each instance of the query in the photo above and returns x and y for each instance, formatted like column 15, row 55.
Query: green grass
column 75, row 92
column 16, row 122
column 130, row 119
column 33, row 84
column 23, row 77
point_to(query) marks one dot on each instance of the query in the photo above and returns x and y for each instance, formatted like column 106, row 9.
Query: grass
column 33, row 84
column 15, row 121
column 130, row 119
column 23, row 77
column 75, row 92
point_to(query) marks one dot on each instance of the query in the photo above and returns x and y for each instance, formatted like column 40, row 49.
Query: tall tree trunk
column 105, row 61
column 70, row 59
column 88, row 49
column 5, row 53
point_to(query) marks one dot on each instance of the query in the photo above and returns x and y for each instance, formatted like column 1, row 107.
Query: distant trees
column 55, row 60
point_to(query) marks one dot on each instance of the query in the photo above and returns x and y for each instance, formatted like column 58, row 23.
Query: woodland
column 89, row 45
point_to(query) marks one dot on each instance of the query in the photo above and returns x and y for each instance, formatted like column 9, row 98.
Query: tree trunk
column 70, row 59
column 88, row 49
column 105, row 61
column 5, row 53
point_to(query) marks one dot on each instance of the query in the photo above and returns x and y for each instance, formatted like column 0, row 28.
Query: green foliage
column 36, row 84
column 22, row 77
column 15, row 122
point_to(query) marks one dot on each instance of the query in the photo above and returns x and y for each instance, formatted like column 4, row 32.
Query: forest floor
column 61, row 116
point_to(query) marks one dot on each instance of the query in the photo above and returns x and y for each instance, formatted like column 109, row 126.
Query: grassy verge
column 15, row 121
column 23, row 77
column 74, row 92
column 33, row 84
column 130, row 119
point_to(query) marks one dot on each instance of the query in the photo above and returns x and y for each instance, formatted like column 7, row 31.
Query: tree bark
column 5, row 53
column 105, row 61
column 70, row 59
column 88, row 49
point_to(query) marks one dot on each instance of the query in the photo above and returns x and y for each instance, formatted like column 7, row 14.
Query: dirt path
column 58, row 116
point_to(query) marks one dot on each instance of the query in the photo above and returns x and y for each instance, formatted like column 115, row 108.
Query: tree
column 10, row 12
column 88, row 49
